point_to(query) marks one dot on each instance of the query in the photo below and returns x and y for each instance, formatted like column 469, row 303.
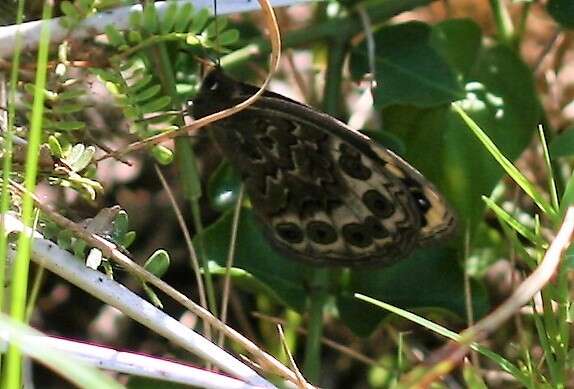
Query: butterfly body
column 323, row 192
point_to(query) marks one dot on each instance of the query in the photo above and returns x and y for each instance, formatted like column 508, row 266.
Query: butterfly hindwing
column 323, row 192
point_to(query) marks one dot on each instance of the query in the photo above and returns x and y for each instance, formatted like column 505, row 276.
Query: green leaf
column 183, row 18
column 458, row 41
column 156, row 105
column 562, row 11
column 199, row 21
column 149, row 18
column 223, row 187
column 147, row 94
column 87, row 6
column 568, row 196
column 129, row 238
column 152, row 295
column 501, row 98
column 136, row 20
column 115, row 37
column 140, row 84
column 107, row 75
column 84, row 159
column 55, row 147
column 430, row 278
column 216, row 26
column 284, row 277
column 68, row 108
column 408, row 69
column 71, row 94
column 169, row 17
column 190, row 178
column 69, row 10
column 134, row 37
column 120, row 225
column 228, row 37
column 69, row 125
column 162, row 154
column 75, row 154
column 563, row 144
column 158, row 263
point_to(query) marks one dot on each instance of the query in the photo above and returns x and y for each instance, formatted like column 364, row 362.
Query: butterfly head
column 217, row 93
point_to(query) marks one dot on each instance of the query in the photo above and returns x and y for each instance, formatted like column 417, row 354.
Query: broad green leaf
column 223, row 187
column 562, row 11
column 430, row 278
column 500, row 97
column 458, row 42
column 408, row 69
column 562, row 145
column 255, row 255
column 568, row 196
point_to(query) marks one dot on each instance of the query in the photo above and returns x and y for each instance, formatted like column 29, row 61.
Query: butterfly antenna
column 218, row 61
column 368, row 29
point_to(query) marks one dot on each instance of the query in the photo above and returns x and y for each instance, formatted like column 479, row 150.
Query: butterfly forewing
column 323, row 192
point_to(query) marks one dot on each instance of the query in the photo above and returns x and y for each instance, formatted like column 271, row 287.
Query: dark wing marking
column 323, row 191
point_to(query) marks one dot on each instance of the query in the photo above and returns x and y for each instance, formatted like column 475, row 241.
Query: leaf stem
column 504, row 26
column 318, row 298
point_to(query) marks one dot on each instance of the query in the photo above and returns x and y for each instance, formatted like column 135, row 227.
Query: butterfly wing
column 323, row 192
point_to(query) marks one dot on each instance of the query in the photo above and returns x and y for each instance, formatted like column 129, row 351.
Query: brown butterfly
column 323, row 192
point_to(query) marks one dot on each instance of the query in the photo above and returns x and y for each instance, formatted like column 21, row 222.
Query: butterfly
column 323, row 192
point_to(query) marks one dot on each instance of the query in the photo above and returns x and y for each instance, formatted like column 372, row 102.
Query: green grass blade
column 501, row 361
column 22, row 262
column 508, row 167
column 551, row 181
column 515, row 224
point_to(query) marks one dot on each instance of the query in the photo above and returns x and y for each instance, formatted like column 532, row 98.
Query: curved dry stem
column 275, row 39
column 449, row 356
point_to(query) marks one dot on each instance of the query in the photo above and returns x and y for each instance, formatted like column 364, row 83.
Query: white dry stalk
column 47, row 254
column 118, row 17
column 131, row 363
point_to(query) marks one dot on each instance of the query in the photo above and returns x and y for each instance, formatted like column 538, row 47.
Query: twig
column 450, row 355
column 229, row 263
column 63, row 263
column 135, row 364
column 109, row 250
